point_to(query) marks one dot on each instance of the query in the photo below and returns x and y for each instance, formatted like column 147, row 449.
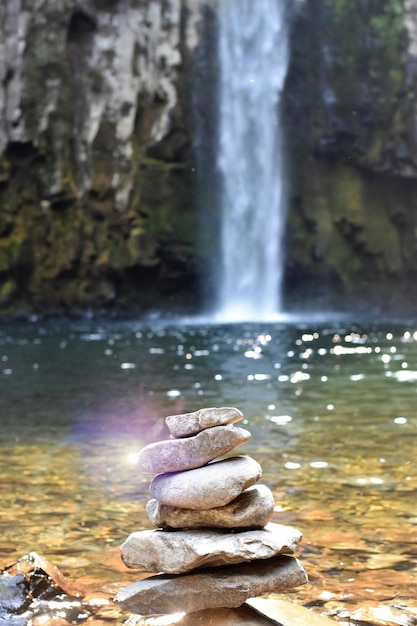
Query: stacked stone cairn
column 215, row 545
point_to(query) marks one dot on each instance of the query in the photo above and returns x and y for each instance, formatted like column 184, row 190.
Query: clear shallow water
column 331, row 406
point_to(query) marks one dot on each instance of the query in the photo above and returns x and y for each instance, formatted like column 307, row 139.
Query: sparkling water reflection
column 332, row 409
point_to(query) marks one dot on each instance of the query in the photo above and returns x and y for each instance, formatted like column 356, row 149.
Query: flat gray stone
column 179, row 551
column 208, row 487
column 228, row 586
column 192, row 423
column 176, row 455
column 281, row 611
column 254, row 508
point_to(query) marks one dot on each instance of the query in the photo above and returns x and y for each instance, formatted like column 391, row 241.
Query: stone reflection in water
column 237, row 563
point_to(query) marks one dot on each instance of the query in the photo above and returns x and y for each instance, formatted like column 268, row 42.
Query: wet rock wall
column 350, row 116
column 96, row 163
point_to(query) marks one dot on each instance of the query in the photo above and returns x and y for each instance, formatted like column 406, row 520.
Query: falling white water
column 253, row 57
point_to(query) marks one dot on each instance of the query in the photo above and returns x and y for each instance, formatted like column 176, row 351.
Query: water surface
column 332, row 410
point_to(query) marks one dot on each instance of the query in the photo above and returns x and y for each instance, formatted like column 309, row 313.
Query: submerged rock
column 253, row 508
column 13, row 593
column 227, row 586
column 191, row 423
column 175, row 455
column 33, row 589
column 213, row 485
column 177, row 552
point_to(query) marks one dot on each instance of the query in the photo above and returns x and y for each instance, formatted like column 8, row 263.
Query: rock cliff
column 96, row 165
column 351, row 128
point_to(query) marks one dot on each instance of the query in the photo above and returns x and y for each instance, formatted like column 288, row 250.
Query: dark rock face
column 96, row 167
column 350, row 124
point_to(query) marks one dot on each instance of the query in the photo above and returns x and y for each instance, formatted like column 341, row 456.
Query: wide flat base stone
column 254, row 508
column 176, row 455
column 177, row 552
column 241, row 616
column 218, row 587
column 208, row 487
column 267, row 611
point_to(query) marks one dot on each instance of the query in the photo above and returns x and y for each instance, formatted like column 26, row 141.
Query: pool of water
column 332, row 407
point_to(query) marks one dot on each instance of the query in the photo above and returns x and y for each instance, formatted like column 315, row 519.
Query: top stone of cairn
column 191, row 423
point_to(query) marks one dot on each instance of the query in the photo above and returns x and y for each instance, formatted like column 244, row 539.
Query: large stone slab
column 191, row 423
column 240, row 616
column 227, row 586
column 176, row 455
column 208, row 487
column 253, row 508
column 177, row 552
column 288, row 613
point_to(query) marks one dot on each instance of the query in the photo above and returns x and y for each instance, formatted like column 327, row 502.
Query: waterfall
column 253, row 57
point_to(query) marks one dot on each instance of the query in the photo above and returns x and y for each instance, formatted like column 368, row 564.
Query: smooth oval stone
column 213, row 485
column 227, row 586
column 176, row 455
column 253, row 508
column 191, row 423
column 180, row 551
